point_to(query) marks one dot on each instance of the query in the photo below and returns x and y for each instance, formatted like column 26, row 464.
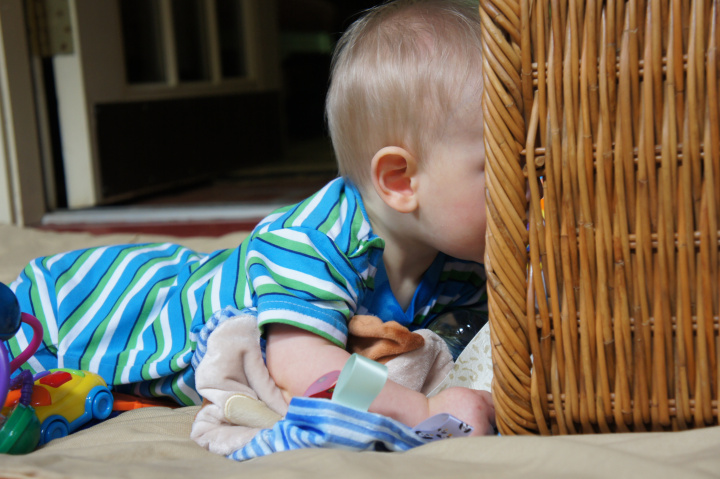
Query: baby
column 405, row 119
column 400, row 235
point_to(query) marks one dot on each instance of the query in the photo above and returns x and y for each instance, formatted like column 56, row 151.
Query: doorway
column 153, row 94
column 158, row 98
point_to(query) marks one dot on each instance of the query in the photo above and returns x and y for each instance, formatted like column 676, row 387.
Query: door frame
column 22, row 190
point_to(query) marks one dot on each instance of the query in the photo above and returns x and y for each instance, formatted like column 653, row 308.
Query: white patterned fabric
column 473, row 368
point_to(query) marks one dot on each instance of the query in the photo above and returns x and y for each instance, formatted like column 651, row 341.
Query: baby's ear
column 394, row 172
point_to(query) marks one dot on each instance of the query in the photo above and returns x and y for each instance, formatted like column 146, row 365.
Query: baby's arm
column 296, row 358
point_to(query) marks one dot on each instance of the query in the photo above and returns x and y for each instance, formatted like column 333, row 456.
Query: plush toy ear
column 369, row 336
column 394, row 172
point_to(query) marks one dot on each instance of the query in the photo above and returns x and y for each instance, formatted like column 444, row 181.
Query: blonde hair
column 400, row 74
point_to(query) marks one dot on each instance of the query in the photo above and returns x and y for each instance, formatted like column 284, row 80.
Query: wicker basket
column 604, row 312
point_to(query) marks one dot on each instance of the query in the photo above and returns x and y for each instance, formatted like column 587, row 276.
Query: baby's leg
column 106, row 310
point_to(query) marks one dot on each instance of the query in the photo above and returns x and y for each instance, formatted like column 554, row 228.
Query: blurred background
column 137, row 114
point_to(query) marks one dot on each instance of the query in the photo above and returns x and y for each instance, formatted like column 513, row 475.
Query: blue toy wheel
column 102, row 403
column 53, row 427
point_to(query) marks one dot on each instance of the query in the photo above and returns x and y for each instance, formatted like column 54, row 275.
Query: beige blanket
column 155, row 442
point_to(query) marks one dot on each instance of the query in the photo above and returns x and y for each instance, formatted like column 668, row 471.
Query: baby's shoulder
column 334, row 217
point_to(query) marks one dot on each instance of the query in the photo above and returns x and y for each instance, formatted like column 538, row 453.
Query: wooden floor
column 235, row 202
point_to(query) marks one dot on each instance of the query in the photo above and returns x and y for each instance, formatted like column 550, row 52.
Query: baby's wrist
column 402, row 404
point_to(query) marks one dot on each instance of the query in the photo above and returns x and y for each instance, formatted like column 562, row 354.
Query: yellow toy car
column 65, row 400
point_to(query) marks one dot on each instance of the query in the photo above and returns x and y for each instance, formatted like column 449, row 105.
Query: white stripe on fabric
column 445, row 299
column 264, row 228
column 83, row 322
column 298, row 237
column 167, row 346
column 140, row 345
column 157, row 387
column 302, row 277
column 310, row 321
column 344, row 209
column 198, row 283
column 475, row 298
column 54, row 260
column 248, row 294
column 80, row 274
column 307, row 211
column 335, row 230
column 337, row 227
column 302, row 238
column 215, row 303
column 262, row 281
column 424, row 311
column 181, row 362
column 188, row 391
column 51, row 324
column 460, row 266
column 23, row 343
column 265, row 223
column 127, row 298
column 331, row 305
column 14, row 285
column 364, row 230
column 201, row 259
column 370, row 271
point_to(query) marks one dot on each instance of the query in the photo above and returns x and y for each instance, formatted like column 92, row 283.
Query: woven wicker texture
column 604, row 312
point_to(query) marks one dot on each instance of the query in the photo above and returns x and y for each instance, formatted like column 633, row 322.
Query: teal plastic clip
column 359, row 383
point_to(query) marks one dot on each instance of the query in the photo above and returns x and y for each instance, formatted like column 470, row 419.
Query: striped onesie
column 132, row 313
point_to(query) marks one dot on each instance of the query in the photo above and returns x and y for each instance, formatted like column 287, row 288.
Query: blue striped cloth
column 314, row 422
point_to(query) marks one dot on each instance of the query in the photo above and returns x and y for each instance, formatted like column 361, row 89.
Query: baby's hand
column 469, row 405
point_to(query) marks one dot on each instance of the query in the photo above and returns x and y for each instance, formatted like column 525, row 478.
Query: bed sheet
column 154, row 442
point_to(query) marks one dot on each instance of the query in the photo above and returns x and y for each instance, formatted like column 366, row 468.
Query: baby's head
column 402, row 75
